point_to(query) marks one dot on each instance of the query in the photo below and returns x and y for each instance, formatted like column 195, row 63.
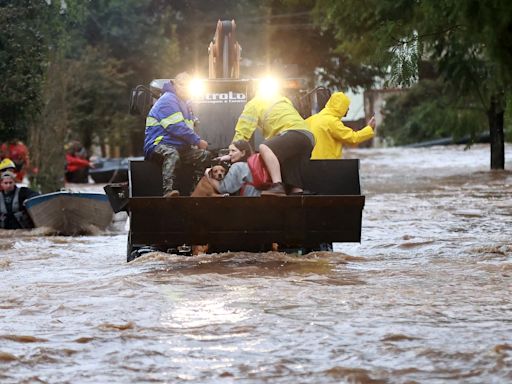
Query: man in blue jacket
column 170, row 136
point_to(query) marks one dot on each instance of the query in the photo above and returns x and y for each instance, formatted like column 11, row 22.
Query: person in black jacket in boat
column 13, row 214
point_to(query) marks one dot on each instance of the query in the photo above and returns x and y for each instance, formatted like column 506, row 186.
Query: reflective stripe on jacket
column 169, row 121
column 330, row 133
column 272, row 116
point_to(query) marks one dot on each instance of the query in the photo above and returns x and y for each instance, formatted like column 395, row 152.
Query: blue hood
column 169, row 87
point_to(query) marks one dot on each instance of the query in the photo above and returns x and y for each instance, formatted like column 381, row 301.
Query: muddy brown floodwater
column 424, row 298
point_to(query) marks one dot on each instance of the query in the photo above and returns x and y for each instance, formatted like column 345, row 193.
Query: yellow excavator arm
column 224, row 52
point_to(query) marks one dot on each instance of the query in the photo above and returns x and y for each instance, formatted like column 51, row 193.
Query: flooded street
column 426, row 297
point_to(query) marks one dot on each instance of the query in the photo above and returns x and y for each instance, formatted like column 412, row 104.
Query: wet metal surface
column 425, row 297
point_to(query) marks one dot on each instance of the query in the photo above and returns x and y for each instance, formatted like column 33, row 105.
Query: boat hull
column 71, row 213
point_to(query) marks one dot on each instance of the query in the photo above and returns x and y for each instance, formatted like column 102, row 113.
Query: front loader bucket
column 247, row 223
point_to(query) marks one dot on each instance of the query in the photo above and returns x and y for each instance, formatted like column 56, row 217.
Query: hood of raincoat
column 337, row 105
column 168, row 87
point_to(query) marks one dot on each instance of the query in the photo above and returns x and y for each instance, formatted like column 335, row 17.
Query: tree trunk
column 497, row 137
column 48, row 132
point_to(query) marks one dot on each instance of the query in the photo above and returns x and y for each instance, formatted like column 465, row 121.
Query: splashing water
column 425, row 297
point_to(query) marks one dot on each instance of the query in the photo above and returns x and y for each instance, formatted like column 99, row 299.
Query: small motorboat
column 111, row 170
column 71, row 213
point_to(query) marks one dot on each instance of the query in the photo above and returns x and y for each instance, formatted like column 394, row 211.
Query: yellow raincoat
column 272, row 116
column 330, row 133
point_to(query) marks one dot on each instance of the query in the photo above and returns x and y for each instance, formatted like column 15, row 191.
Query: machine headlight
column 197, row 88
column 269, row 87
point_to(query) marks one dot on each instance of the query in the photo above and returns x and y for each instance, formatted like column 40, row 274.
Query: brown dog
column 204, row 188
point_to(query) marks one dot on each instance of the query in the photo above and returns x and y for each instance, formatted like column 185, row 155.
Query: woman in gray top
column 239, row 177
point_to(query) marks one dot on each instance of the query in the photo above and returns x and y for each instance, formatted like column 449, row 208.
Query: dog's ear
column 224, row 164
column 210, row 172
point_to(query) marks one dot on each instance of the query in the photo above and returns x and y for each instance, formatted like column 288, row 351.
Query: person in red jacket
column 77, row 164
column 18, row 153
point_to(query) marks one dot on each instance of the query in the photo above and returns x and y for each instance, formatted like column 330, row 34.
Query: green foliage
column 296, row 39
column 468, row 44
column 110, row 46
column 292, row 36
column 466, row 38
column 428, row 111
column 97, row 97
column 22, row 54
column 33, row 41
column 30, row 30
column 123, row 43
column 138, row 33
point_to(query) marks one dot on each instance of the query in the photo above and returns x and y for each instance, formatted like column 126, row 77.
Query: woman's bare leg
column 272, row 163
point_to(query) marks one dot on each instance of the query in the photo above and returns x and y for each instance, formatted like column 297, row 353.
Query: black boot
column 276, row 189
